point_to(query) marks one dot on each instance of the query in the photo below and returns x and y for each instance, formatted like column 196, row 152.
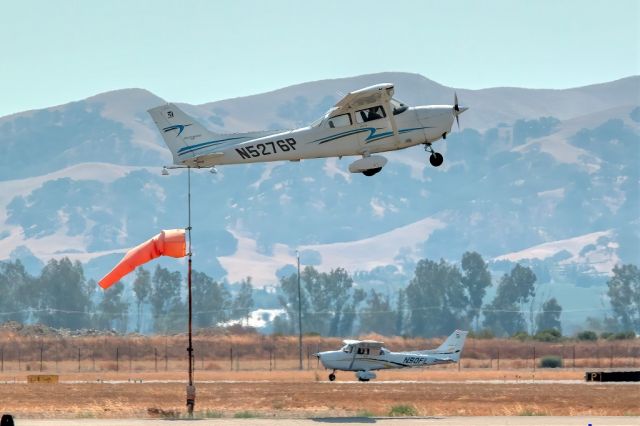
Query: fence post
column 166, row 356
column 308, row 357
column 78, row 358
column 129, row 357
column 498, row 359
column 611, row 356
column 117, row 359
column 41, row 349
column 2, row 357
column 534, row 358
column 155, row 352
column 19, row 361
column 93, row 360
column 574, row 357
column 231, row 358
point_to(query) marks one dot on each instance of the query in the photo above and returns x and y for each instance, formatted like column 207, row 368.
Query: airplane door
column 374, row 126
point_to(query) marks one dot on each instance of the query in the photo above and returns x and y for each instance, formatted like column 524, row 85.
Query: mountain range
column 548, row 178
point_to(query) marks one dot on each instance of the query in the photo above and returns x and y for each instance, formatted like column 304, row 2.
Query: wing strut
column 392, row 121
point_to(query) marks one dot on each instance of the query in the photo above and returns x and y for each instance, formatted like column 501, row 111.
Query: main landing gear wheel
column 436, row 159
column 363, row 380
column 332, row 377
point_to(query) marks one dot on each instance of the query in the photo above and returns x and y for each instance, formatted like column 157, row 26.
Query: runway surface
column 352, row 382
column 435, row 421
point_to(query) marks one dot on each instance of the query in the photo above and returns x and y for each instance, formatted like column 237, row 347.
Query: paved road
column 434, row 421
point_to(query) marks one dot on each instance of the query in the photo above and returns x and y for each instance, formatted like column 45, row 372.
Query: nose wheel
column 436, row 159
column 332, row 377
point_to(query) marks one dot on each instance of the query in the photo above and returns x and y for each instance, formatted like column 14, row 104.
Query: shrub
column 623, row 335
column 521, row 335
column 403, row 411
column 211, row 414
column 551, row 362
column 244, row 415
column 529, row 412
column 550, row 335
column 587, row 335
column 482, row 334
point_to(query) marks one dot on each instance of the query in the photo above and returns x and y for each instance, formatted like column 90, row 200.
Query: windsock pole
column 191, row 389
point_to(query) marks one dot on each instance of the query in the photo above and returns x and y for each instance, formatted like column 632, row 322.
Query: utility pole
column 191, row 389
column 299, row 313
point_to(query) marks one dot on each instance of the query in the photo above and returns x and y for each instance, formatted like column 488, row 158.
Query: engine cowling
column 371, row 162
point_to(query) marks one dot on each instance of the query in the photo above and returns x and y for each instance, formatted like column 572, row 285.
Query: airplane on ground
column 364, row 122
column 364, row 356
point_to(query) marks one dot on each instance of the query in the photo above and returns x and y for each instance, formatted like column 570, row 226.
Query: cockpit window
column 370, row 114
column 340, row 121
column 347, row 348
column 398, row 107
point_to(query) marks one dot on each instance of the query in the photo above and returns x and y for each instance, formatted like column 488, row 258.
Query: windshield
column 398, row 107
column 319, row 121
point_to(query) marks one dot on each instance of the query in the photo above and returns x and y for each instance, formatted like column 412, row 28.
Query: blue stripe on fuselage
column 373, row 136
column 192, row 148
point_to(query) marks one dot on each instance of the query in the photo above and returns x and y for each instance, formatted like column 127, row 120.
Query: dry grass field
column 308, row 399
column 253, row 375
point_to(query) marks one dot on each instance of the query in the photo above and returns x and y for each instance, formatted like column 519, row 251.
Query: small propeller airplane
column 365, row 356
column 363, row 123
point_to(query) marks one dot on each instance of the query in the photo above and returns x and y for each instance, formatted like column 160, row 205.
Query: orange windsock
column 167, row 243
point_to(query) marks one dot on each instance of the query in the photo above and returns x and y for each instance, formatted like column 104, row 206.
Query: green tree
column 504, row 314
column 211, row 300
column 17, row 290
column 142, row 290
column 348, row 317
column 166, row 305
column 328, row 301
column 337, row 286
column 401, row 305
column 624, row 296
column 549, row 318
column 288, row 299
column 475, row 279
column 437, row 299
column 243, row 301
column 377, row 316
column 63, row 301
column 112, row 310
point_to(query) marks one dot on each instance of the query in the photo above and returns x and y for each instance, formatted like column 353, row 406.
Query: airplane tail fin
column 182, row 134
column 453, row 345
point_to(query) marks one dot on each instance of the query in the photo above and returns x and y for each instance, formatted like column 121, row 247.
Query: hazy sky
column 54, row 52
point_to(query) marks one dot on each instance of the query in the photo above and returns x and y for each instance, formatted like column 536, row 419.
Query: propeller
column 456, row 109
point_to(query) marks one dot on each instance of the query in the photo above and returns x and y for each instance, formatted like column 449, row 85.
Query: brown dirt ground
column 299, row 394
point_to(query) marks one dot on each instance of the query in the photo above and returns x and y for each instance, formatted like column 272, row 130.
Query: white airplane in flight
column 363, row 123
column 365, row 356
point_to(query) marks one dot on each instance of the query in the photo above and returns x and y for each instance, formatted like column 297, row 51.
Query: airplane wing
column 364, row 343
column 380, row 93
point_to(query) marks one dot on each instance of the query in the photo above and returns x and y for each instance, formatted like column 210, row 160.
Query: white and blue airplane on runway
column 365, row 356
column 363, row 123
